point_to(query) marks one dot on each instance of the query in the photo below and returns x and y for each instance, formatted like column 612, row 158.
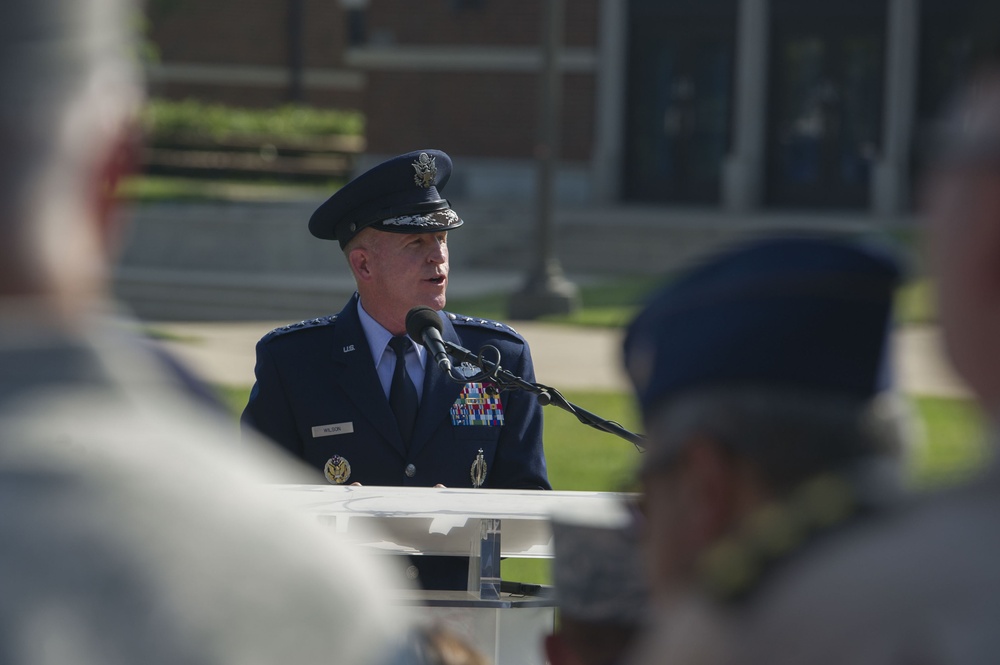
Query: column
column 891, row 175
column 609, row 130
column 743, row 170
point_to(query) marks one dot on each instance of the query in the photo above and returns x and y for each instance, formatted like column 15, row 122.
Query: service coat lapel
column 358, row 378
column 440, row 392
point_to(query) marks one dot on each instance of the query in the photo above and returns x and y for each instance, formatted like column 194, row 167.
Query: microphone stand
column 546, row 395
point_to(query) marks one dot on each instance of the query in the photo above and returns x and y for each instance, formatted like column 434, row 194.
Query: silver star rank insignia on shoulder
column 425, row 169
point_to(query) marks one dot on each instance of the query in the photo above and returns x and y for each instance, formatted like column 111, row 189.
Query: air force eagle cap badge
column 426, row 170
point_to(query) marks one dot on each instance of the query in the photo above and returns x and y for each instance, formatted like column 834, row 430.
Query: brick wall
column 478, row 23
column 479, row 114
column 220, row 31
column 236, row 32
column 482, row 114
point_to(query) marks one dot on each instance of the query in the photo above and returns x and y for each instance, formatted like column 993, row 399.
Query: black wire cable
column 490, row 369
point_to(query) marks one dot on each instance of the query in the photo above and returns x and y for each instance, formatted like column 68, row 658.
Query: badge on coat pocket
column 478, row 404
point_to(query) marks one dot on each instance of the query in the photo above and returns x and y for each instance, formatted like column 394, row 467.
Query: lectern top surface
column 595, row 507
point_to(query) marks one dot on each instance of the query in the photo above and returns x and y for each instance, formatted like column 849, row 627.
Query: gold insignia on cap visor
column 426, row 170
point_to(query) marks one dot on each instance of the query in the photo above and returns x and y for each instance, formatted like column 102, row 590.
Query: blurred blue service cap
column 792, row 312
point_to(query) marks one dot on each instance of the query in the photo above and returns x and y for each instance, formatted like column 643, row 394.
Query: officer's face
column 409, row 270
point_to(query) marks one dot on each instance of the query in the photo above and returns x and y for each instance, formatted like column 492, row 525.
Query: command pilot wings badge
column 425, row 169
column 478, row 471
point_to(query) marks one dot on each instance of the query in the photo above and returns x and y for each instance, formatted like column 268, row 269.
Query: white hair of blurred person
column 70, row 89
column 137, row 526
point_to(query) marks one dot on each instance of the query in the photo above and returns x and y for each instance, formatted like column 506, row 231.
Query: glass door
column 679, row 104
column 825, row 112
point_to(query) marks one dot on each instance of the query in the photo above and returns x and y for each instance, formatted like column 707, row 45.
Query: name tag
column 332, row 430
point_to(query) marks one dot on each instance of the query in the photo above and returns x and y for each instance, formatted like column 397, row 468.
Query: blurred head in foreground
column 69, row 91
column 764, row 381
column 136, row 528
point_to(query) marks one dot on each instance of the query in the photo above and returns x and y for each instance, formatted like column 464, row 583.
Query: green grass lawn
column 582, row 458
column 915, row 302
column 954, row 441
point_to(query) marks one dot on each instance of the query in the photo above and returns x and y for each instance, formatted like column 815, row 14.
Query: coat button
column 410, row 471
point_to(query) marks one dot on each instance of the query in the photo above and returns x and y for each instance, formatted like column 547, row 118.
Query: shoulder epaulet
column 486, row 324
column 301, row 325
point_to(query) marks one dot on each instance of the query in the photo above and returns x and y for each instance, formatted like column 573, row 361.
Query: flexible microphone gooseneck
column 423, row 325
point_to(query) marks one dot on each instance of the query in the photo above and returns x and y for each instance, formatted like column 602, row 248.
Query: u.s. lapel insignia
column 478, row 470
column 337, row 470
column 426, row 170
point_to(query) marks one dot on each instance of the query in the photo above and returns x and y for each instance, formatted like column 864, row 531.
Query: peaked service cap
column 400, row 195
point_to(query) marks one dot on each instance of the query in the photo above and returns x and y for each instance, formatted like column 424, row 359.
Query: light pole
column 546, row 290
column 296, row 57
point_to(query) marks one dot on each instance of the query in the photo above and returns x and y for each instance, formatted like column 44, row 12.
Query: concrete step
column 192, row 295
column 251, row 260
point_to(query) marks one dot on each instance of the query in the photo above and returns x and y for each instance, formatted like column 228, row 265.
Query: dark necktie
column 402, row 393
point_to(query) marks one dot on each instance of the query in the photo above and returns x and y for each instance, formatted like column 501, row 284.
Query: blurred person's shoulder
column 167, row 514
column 921, row 577
column 690, row 629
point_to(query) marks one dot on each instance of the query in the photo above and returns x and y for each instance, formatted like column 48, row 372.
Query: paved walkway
column 566, row 357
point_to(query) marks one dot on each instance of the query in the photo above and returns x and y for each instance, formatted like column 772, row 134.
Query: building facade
column 740, row 105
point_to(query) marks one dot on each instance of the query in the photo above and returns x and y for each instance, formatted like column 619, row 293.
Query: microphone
column 424, row 325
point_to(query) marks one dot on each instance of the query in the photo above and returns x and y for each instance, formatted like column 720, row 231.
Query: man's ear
column 713, row 485
column 118, row 161
column 359, row 259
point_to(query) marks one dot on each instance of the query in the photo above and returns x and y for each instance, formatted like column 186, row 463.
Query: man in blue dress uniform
column 329, row 389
